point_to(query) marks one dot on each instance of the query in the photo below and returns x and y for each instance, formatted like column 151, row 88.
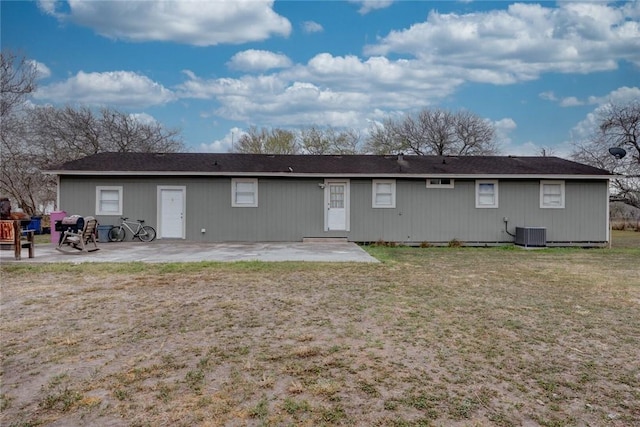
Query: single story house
column 479, row 200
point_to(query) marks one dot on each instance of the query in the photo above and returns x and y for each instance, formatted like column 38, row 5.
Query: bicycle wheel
column 116, row 234
column 147, row 234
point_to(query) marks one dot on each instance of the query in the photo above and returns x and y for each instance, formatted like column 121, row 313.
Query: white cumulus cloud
column 258, row 60
column 193, row 22
column 588, row 127
column 621, row 95
column 122, row 88
column 143, row 118
column 48, row 6
column 392, row 83
column 548, row 96
column 42, row 71
column 503, row 128
column 423, row 64
column 519, row 43
column 367, row 6
column 311, row 27
column 222, row 145
column 571, row 101
column 328, row 90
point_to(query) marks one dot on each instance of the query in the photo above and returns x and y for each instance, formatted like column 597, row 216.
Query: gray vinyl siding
column 438, row 215
column 290, row 209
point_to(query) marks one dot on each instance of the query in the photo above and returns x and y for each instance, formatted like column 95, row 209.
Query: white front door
column 337, row 205
column 171, row 212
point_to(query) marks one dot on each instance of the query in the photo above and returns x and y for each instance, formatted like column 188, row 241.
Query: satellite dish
column 617, row 152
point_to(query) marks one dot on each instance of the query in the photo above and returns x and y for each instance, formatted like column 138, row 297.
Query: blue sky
column 539, row 71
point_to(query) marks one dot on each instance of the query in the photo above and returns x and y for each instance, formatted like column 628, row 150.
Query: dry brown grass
column 438, row 336
column 625, row 239
column 626, row 224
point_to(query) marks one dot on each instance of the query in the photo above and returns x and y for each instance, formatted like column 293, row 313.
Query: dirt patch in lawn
column 429, row 337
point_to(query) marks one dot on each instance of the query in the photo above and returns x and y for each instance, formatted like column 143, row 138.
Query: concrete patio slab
column 180, row 251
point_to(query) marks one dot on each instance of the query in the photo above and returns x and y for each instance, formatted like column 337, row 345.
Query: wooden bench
column 82, row 238
column 11, row 234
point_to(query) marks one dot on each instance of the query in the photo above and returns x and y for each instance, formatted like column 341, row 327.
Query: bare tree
column 431, row 132
column 381, row 139
column 68, row 133
column 345, row 141
column 17, row 180
column 17, row 81
column 125, row 133
column 20, row 177
column 62, row 134
column 474, row 136
column 251, row 142
column 618, row 126
column 316, row 140
column 434, row 132
column 48, row 136
column 36, row 138
column 265, row 141
column 281, row 141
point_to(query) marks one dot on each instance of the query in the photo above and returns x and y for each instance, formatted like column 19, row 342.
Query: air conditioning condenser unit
column 529, row 237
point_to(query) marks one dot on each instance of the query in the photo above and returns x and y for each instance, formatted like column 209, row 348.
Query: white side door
column 337, row 205
column 171, row 212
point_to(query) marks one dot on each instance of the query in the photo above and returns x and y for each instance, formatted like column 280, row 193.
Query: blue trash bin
column 35, row 224
column 103, row 233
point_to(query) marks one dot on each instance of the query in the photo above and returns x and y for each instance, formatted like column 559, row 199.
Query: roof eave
column 332, row 175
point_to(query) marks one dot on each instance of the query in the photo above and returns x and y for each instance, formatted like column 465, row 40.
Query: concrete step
column 324, row 240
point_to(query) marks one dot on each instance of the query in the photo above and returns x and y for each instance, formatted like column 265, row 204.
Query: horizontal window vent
column 531, row 237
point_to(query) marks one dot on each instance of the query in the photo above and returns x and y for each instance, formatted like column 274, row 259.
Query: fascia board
column 519, row 176
column 329, row 175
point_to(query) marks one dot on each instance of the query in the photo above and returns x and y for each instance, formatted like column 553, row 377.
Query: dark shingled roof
column 227, row 164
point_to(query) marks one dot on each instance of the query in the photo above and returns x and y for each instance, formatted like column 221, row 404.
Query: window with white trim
column 244, row 192
column 383, row 193
column 487, row 193
column 108, row 200
column 551, row 194
column 439, row 183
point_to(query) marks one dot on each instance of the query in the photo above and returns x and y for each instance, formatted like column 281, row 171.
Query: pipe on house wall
column 506, row 223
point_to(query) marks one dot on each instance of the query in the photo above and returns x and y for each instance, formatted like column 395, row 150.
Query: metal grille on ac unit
column 531, row 236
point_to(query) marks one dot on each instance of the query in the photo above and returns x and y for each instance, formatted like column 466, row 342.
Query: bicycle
column 143, row 232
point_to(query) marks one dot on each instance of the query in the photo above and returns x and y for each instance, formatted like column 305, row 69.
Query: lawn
column 625, row 239
column 431, row 336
